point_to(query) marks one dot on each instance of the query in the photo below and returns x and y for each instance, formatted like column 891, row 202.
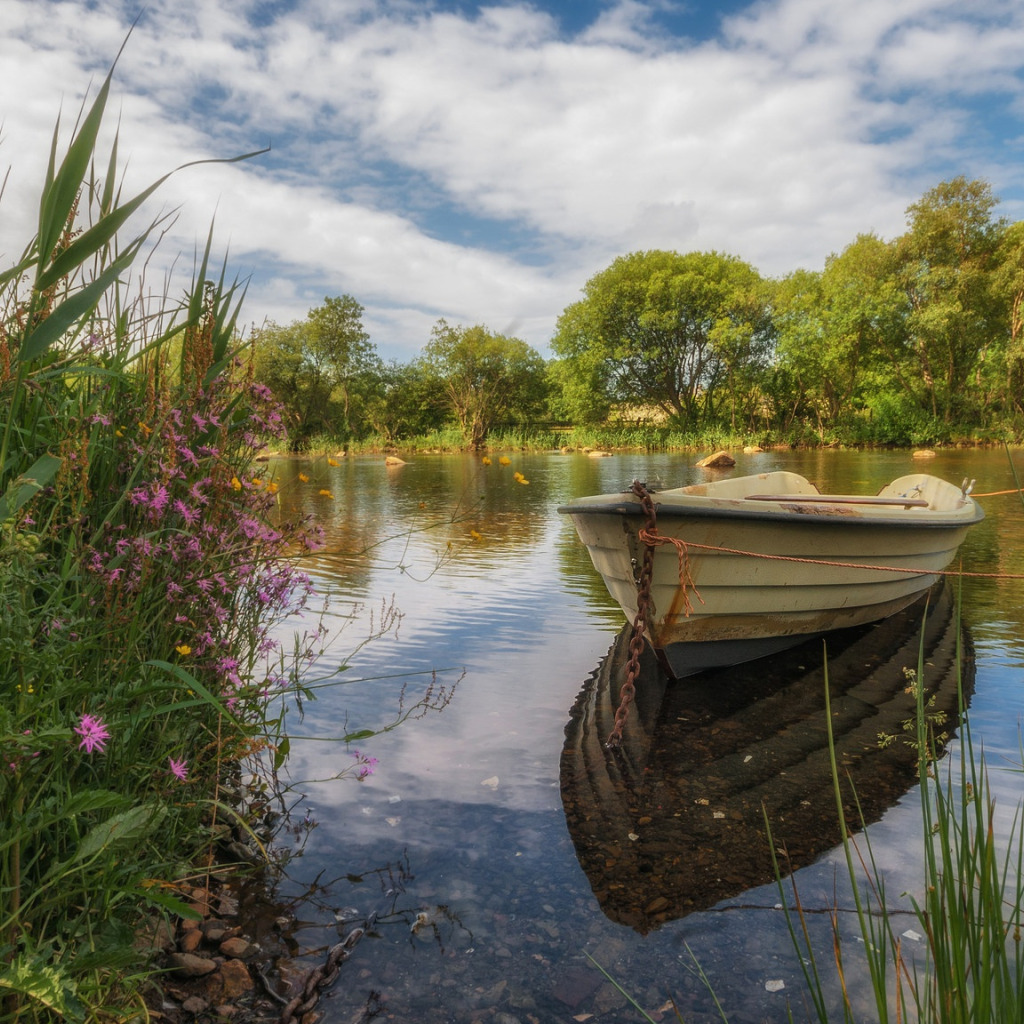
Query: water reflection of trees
column 422, row 513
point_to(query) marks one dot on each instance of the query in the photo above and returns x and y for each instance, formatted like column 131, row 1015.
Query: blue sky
column 479, row 162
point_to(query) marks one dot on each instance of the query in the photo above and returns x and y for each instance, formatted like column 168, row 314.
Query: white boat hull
column 764, row 571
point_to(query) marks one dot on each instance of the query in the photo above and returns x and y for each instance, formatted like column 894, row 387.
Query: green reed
column 969, row 910
column 142, row 573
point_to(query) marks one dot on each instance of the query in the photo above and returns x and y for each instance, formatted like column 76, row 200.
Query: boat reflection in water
column 673, row 821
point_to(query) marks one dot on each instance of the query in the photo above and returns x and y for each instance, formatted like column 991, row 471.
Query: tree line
column 914, row 340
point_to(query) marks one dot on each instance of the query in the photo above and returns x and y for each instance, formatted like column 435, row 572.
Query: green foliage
column 324, row 370
column 670, row 331
column 409, row 402
column 944, row 266
column 485, row 378
column 140, row 575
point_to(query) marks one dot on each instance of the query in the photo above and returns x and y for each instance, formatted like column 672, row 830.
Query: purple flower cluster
column 364, row 764
column 197, row 533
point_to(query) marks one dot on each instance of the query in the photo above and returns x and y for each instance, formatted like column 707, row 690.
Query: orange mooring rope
column 996, row 494
column 655, row 538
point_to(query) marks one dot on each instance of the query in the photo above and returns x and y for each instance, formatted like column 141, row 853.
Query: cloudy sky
column 479, row 162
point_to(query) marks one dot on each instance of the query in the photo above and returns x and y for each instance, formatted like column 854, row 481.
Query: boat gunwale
column 819, row 514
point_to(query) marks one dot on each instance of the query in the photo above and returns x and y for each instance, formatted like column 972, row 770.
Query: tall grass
column 141, row 578
column 970, row 910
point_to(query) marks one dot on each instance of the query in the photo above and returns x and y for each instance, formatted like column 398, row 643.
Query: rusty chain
column 643, row 602
column 321, row 977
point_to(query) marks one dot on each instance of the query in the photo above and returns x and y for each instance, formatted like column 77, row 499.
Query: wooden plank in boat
column 839, row 499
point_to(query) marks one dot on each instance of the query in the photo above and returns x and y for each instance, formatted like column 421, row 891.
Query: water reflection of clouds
column 478, row 806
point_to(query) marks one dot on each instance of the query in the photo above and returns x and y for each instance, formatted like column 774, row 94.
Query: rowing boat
column 743, row 567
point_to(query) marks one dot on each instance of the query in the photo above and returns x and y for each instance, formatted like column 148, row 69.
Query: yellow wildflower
column 475, row 535
column 505, row 461
column 324, row 493
column 146, row 430
column 486, row 460
column 183, row 649
column 303, row 478
column 257, row 482
column 236, row 483
column 272, row 487
column 333, row 462
column 520, row 479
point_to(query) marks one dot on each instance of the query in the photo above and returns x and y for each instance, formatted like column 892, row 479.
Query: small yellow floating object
column 324, row 493
column 519, row 478
column 505, row 461
column 486, row 460
column 303, row 478
column 475, row 535
column 332, row 462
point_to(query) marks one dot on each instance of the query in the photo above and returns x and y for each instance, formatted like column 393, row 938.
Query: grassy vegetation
column 612, row 437
column 141, row 580
column 968, row 911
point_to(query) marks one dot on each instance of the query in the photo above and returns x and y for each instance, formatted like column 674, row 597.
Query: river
column 472, row 840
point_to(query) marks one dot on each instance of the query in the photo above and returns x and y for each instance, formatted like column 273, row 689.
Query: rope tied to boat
column 643, row 604
column 686, row 583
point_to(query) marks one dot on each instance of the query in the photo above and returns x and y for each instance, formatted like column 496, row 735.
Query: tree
column 1008, row 285
column 664, row 329
column 486, row 378
column 577, row 391
column 341, row 350
column 841, row 332
column 408, row 402
column 324, row 370
column 944, row 265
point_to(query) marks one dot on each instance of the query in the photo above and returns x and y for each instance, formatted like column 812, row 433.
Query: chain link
column 643, row 604
column 320, row 978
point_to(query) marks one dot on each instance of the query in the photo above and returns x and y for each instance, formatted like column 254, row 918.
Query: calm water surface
column 464, row 840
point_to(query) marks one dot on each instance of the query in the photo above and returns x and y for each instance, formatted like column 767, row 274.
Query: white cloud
column 433, row 164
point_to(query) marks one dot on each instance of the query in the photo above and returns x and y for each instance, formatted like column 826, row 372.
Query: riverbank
column 592, row 440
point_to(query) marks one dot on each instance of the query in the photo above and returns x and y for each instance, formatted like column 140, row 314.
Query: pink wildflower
column 179, row 768
column 93, row 732
column 365, row 765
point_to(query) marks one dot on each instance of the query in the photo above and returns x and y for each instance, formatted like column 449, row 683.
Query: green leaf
column 169, row 903
column 115, row 831
column 24, row 487
column 191, row 682
column 45, row 984
column 281, row 752
column 63, row 188
column 72, row 309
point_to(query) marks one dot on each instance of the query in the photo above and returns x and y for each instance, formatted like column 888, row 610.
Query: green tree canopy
column 664, row 329
column 486, row 378
column 323, row 369
column 841, row 331
column 944, row 265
